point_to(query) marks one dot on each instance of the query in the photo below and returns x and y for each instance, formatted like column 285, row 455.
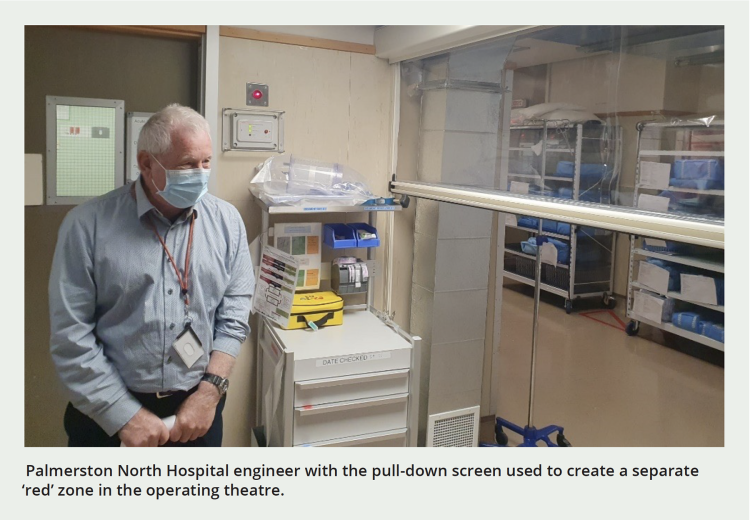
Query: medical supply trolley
column 680, row 164
column 575, row 161
column 356, row 384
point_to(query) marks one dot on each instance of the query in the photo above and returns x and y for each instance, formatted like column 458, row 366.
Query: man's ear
column 145, row 162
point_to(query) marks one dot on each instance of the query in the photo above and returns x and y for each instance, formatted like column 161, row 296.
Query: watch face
column 224, row 385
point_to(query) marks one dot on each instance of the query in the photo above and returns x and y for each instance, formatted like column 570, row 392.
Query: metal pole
column 535, row 326
column 537, row 291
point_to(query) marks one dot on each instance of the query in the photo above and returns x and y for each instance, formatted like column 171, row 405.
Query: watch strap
column 219, row 382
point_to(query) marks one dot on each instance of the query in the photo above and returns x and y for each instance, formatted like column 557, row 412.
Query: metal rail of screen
column 652, row 224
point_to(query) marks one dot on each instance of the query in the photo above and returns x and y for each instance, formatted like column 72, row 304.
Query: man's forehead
column 191, row 145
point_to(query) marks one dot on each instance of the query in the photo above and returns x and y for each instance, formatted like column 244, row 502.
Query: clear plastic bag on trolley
column 290, row 180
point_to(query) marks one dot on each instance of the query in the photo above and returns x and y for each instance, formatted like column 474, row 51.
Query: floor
column 604, row 387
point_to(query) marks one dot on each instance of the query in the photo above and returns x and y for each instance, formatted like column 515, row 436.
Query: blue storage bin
column 339, row 236
column 710, row 169
column 568, row 169
column 686, row 320
column 368, row 242
column 715, row 331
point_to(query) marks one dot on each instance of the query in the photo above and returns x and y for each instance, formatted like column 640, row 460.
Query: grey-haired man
column 150, row 297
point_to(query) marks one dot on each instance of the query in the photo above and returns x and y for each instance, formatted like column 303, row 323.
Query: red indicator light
column 257, row 94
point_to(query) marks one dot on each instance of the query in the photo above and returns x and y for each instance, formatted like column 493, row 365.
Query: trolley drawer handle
column 352, row 405
column 350, row 380
column 379, row 437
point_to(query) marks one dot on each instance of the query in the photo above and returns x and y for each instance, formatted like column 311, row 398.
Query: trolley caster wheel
column 568, row 306
column 500, row 436
column 632, row 328
column 608, row 301
column 563, row 442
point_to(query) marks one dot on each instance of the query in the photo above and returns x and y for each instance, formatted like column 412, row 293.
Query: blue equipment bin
column 686, row 320
column 369, row 242
column 339, row 236
column 711, row 169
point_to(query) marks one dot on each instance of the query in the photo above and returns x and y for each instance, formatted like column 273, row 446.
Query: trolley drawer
column 349, row 388
column 317, row 423
column 390, row 439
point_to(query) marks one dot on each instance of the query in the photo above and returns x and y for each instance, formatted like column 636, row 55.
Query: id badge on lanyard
column 187, row 345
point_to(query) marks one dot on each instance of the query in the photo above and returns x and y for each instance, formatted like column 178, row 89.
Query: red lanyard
column 183, row 281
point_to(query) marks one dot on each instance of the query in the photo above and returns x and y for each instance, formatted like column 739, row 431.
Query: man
column 150, row 298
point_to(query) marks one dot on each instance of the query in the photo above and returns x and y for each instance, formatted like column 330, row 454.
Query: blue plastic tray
column 339, row 236
column 371, row 242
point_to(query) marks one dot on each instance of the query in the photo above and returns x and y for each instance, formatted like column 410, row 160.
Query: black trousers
column 83, row 431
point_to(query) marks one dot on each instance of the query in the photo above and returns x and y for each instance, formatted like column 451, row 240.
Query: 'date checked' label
column 351, row 358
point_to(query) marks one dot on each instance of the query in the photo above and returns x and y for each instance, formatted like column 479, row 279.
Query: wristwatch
column 221, row 383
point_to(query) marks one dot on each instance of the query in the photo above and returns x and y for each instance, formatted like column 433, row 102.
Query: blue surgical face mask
column 184, row 188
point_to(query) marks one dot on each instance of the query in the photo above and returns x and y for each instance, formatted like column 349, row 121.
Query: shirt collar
column 143, row 205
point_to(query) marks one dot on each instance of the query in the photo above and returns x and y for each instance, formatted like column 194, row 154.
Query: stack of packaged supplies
column 695, row 322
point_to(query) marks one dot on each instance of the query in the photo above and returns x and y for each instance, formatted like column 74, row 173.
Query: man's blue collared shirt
column 116, row 306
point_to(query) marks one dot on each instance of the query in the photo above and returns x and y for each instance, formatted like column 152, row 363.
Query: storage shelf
column 677, row 296
column 718, row 193
column 701, row 263
column 545, row 233
column 669, row 327
column 526, row 176
column 540, row 178
column 550, row 147
column 678, row 153
column 531, row 257
column 322, row 208
column 528, row 149
column 528, row 281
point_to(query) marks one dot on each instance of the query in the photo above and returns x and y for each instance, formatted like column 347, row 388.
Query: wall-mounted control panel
column 252, row 130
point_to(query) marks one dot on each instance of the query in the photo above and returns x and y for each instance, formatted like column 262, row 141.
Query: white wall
column 338, row 109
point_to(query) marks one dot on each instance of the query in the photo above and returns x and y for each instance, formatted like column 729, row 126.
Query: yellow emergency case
column 324, row 308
